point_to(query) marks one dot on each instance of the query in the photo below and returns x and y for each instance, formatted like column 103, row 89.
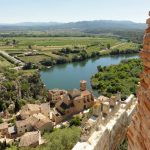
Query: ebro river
column 68, row 76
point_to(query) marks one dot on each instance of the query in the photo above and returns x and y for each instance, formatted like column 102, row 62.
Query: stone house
column 55, row 95
column 34, row 122
column 31, row 139
column 73, row 102
column 30, row 109
column 41, row 122
column 45, row 109
column 23, row 126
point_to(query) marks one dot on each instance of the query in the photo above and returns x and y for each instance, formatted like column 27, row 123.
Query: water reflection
column 67, row 76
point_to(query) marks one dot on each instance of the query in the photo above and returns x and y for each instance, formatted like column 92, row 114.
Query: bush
column 123, row 77
column 47, row 62
column 75, row 121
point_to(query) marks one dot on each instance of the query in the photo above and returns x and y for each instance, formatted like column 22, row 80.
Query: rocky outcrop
column 139, row 129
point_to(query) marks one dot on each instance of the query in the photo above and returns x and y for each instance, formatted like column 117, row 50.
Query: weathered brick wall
column 139, row 129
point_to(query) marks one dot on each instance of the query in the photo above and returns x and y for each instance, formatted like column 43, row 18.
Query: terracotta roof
column 85, row 93
column 22, row 123
column 78, row 98
column 45, row 105
column 30, row 107
column 38, row 120
column 74, row 93
column 29, row 138
column 3, row 126
column 66, row 96
column 24, row 112
column 33, row 107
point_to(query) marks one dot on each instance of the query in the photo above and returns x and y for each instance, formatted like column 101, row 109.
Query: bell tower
column 83, row 85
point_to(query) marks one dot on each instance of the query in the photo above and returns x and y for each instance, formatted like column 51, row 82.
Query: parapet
column 107, row 132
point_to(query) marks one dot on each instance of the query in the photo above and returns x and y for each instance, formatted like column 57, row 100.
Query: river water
column 68, row 76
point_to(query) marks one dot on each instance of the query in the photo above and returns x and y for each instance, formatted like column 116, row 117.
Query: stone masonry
column 108, row 133
column 139, row 129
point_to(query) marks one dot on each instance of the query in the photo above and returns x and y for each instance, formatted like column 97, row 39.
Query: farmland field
column 4, row 63
column 37, row 49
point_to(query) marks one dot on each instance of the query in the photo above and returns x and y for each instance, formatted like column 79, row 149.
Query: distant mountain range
column 80, row 26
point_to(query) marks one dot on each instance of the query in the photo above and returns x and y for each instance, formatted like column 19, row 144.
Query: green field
column 49, row 48
column 5, row 63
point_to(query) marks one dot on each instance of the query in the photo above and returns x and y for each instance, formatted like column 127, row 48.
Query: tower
column 139, row 129
column 83, row 85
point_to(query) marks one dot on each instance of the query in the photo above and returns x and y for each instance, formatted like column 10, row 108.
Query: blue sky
column 12, row 11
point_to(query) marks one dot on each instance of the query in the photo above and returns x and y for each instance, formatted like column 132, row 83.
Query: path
column 11, row 58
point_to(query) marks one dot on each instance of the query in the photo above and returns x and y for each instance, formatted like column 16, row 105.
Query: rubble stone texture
column 139, row 129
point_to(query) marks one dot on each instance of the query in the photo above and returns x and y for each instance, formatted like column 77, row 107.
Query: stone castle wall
column 139, row 129
column 109, row 136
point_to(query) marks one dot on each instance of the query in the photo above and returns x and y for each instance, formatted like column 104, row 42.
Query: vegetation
column 125, row 48
column 126, row 29
column 123, row 77
column 124, row 145
column 3, row 145
column 37, row 52
column 59, row 139
column 18, row 86
column 75, row 121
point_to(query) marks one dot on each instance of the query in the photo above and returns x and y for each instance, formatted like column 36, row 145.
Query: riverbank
column 123, row 77
column 38, row 52
column 67, row 76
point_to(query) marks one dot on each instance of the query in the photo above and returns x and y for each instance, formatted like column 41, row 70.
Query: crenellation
column 108, row 130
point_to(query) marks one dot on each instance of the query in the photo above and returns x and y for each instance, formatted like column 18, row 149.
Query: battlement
column 107, row 131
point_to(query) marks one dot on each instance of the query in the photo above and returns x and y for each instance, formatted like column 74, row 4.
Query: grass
column 53, row 42
column 4, row 63
column 34, row 59
column 126, row 45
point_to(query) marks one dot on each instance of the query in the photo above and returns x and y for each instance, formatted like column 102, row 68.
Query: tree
column 47, row 62
column 100, row 68
column 14, row 42
column 108, row 46
column 30, row 46
column 7, row 43
column 75, row 121
column 27, row 66
column 17, row 106
column 1, row 105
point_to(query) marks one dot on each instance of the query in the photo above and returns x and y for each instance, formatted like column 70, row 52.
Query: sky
column 14, row 11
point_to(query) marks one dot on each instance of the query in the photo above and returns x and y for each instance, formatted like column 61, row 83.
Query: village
column 35, row 119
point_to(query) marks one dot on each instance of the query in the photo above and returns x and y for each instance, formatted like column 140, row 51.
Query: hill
column 81, row 26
